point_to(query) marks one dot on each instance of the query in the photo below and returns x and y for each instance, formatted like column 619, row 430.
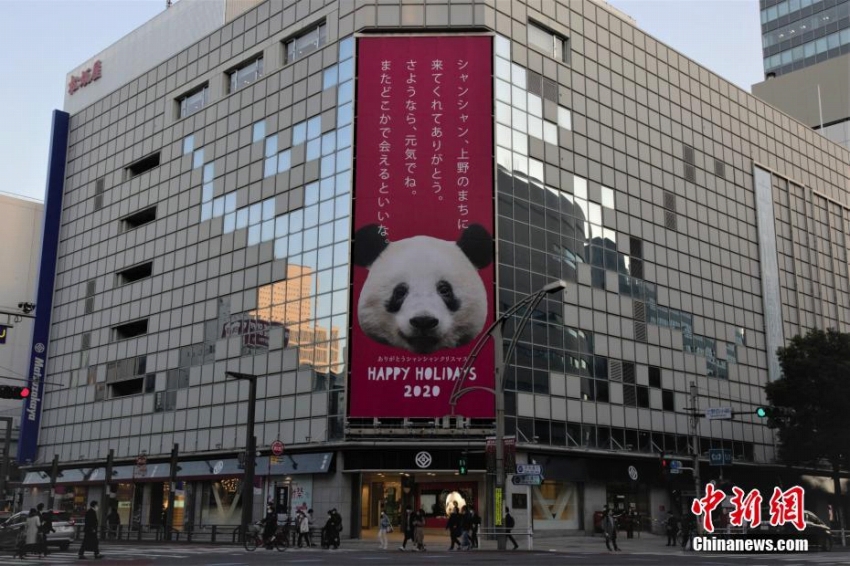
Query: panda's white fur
column 423, row 265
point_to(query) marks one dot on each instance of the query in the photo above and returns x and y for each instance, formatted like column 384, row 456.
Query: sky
column 41, row 40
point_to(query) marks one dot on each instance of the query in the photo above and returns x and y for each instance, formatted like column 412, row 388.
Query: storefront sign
column 31, row 416
column 85, row 78
column 423, row 246
column 4, row 332
column 423, row 460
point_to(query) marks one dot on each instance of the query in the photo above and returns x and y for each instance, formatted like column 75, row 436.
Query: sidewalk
column 545, row 542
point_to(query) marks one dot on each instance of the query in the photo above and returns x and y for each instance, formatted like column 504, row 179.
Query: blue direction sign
column 720, row 457
column 527, row 480
column 675, row 466
column 529, row 469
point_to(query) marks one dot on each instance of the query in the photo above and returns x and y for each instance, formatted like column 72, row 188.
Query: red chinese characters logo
column 784, row 507
column 85, row 78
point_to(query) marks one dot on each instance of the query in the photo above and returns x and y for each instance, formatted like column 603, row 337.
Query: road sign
column 277, row 448
column 528, row 469
column 720, row 457
column 713, row 413
column 675, row 466
column 527, row 480
column 633, row 473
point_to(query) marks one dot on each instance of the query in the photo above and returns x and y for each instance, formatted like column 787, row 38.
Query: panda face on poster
column 423, row 294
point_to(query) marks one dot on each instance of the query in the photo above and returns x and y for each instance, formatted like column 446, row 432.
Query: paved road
column 357, row 553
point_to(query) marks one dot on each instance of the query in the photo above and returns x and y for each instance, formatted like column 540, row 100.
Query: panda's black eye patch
column 393, row 304
column 447, row 293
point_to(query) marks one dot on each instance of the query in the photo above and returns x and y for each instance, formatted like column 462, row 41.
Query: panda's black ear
column 368, row 245
column 477, row 244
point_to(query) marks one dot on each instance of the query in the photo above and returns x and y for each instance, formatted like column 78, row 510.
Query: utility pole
column 106, row 504
column 4, row 469
column 54, row 473
column 694, row 422
column 250, row 452
column 172, row 486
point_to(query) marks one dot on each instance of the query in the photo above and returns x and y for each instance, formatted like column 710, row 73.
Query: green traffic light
column 761, row 412
column 461, row 466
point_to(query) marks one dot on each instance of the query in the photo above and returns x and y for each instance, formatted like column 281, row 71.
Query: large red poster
column 423, row 218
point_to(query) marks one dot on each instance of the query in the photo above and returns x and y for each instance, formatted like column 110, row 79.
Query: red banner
column 423, row 270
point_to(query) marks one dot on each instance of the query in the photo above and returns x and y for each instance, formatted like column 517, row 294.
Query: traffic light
column 766, row 412
column 13, row 392
column 461, row 465
column 664, row 462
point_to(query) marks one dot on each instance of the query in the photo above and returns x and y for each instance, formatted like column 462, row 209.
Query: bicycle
column 253, row 539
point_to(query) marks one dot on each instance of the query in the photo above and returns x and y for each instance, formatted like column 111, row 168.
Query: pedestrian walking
column 609, row 527
column 631, row 519
column 466, row 528
column 303, row 529
column 46, row 526
column 407, row 526
column 269, row 525
column 90, row 541
column 672, row 527
column 31, row 542
column 453, row 526
column 509, row 525
column 114, row 522
column 419, row 530
column 310, row 526
column 384, row 527
column 476, row 523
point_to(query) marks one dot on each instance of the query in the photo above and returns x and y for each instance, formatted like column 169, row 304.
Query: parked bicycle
column 254, row 538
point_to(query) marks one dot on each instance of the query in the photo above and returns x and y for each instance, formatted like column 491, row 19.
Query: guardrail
column 213, row 534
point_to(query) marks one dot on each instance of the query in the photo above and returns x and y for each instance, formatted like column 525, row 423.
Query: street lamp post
column 250, row 452
column 530, row 303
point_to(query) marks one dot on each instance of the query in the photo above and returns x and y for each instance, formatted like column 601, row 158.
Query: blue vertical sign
column 31, row 417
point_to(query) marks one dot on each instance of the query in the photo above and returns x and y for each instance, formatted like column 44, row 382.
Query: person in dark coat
column 672, row 527
column 46, row 526
column 609, row 527
column 407, row 527
column 453, row 525
column 90, row 541
column 509, row 525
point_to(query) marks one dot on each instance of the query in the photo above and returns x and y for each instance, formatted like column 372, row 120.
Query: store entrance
column 433, row 492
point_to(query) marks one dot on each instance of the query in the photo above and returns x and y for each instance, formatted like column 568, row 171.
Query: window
column 128, row 387
column 309, row 41
column 138, row 219
column 667, row 400
column 654, row 376
column 134, row 273
column 99, row 189
column 194, row 101
column 142, row 165
column 553, row 44
column 246, row 74
column 130, row 330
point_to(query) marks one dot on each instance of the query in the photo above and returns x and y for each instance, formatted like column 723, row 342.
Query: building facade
column 213, row 220
column 806, row 61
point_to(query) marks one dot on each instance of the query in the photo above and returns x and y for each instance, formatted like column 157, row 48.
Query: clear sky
column 41, row 40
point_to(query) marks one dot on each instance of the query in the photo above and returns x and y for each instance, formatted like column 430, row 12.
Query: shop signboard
column 422, row 273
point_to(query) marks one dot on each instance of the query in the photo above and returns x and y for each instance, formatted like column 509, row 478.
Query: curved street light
column 530, row 303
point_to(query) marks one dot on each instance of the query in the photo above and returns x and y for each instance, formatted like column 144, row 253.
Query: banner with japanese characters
column 423, row 251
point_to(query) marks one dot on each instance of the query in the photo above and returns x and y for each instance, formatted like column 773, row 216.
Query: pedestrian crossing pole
column 694, row 422
column 172, row 486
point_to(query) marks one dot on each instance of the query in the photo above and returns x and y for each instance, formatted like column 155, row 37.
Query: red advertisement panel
column 423, row 218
